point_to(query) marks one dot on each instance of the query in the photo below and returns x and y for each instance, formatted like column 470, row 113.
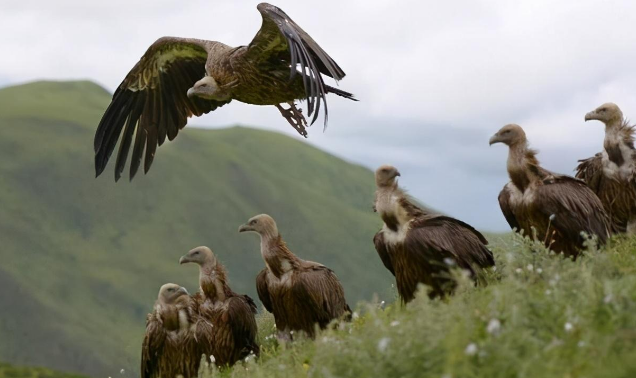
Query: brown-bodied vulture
column 169, row 347
column 418, row 247
column 178, row 78
column 611, row 174
column 301, row 294
column 547, row 206
column 225, row 326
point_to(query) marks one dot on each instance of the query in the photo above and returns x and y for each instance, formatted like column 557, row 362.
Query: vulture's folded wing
column 591, row 171
column 506, row 207
column 152, row 348
column 380, row 247
column 242, row 324
column 281, row 39
column 152, row 103
column 263, row 290
column 573, row 208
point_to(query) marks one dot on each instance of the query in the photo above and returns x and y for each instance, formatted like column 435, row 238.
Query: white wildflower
column 581, row 344
column 448, row 261
column 539, row 270
column 212, row 359
column 383, row 344
column 608, row 298
column 552, row 216
column 471, row 349
column 548, row 292
column 395, row 323
column 518, row 270
column 530, row 267
column 494, row 325
column 122, row 371
column 568, row 327
column 355, row 315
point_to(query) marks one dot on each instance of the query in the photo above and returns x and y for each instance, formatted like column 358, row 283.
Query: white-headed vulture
column 420, row 248
column 225, row 325
column 611, row 174
column 178, row 78
column 547, row 206
column 301, row 294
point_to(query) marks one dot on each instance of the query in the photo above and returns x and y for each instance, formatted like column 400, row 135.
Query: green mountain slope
column 9, row 371
column 83, row 258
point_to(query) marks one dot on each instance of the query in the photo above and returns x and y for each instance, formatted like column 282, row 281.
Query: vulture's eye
column 196, row 253
column 253, row 222
column 171, row 289
column 385, row 170
column 506, row 132
column 602, row 110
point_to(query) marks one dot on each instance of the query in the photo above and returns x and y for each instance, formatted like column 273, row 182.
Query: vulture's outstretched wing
column 574, row 207
column 263, row 290
column 152, row 103
column 506, row 206
column 591, row 171
column 380, row 247
column 281, row 39
column 152, row 348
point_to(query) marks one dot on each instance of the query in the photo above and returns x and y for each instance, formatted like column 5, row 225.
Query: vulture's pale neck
column 523, row 166
column 619, row 141
column 213, row 281
column 278, row 258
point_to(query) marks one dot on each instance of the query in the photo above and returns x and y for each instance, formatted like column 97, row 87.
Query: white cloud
column 435, row 78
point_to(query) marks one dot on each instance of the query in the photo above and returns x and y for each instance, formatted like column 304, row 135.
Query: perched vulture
column 225, row 326
column 179, row 78
column 168, row 348
column 544, row 205
column 420, row 248
column 301, row 294
column 611, row 174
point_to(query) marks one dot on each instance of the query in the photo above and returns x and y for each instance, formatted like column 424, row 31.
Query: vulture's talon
column 295, row 118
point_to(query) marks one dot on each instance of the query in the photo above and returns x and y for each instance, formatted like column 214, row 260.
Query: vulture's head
column 510, row 134
column 608, row 113
column 385, row 175
column 199, row 255
column 207, row 89
column 262, row 224
column 170, row 293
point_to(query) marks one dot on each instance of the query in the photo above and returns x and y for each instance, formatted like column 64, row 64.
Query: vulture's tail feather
column 340, row 93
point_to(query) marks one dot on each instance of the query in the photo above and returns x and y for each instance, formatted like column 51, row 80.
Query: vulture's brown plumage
column 169, row 347
column 301, row 294
column 178, row 78
column 611, row 174
column 420, row 248
column 547, row 206
column 225, row 325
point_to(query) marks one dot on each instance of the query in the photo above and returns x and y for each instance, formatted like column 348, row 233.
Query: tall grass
column 539, row 316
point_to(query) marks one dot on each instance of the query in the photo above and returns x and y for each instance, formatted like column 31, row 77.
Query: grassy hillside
column 9, row 371
column 540, row 316
column 83, row 258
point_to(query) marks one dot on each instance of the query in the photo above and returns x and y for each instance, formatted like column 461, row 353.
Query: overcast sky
column 435, row 78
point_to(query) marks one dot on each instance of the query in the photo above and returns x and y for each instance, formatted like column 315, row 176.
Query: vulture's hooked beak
column 244, row 228
column 590, row 116
column 397, row 174
column 494, row 139
column 183, row 260
column 183, row 291
column 190, row 93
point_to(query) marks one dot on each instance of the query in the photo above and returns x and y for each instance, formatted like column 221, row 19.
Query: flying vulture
column 301, row 294
column 178, row 78
column 226, row 327
column 611, row 174
column 420, row 248
column 545, row 205
column 168, row 348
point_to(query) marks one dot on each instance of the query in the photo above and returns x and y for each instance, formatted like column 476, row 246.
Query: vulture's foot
column 295, row 117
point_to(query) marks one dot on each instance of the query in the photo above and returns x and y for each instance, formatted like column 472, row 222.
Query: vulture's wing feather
column 574, row 207
column 321, row 292
column 152, row 347
column 243, row 324
column 263, row 290
column 449, row 237
column 281, row 39
column 151, row 103
column 591, row 171
column 380, row 247
column 506, row 206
